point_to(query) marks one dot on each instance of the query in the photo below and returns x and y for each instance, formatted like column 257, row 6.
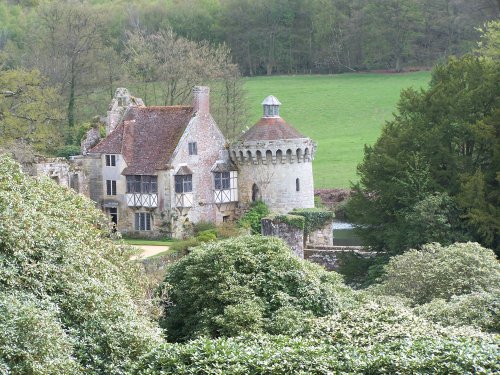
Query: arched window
column 298, row 153
column 279, row 156
column 258, row 155
column 269, row 156
column 297, row 184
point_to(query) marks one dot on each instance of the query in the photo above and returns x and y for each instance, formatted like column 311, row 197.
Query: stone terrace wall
column 322, row 236
column 329, row 256
column 292, row 235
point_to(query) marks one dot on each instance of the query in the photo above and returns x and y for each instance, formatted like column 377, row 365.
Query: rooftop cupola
column 271, row 106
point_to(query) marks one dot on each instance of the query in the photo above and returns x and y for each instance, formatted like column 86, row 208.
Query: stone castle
column 161, row 169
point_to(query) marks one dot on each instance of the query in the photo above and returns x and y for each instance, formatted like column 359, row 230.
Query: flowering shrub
column 64, row 284
column 247, row 284
column 440, row 272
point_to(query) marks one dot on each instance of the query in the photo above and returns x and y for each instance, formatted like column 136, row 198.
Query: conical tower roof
column 271, row 126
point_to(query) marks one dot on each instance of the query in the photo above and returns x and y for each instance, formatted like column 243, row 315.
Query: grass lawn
column 340, row 112
column 144, row 241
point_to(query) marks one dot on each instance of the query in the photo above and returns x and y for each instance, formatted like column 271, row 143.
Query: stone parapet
column 273, row 152
column 330, row 256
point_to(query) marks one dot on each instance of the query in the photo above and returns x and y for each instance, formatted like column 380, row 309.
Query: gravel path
column 148, row 250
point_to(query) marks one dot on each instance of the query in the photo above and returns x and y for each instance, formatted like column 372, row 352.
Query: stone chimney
column 201, row 99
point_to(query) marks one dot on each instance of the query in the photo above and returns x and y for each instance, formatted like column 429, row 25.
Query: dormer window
column 184, row 183
column 225, row 183
column 271, row 106
column 222, row 180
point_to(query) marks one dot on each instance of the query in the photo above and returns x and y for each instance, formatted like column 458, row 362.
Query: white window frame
column 110, row 160
column 193, row 148
column 110, row 187
column 142, row 221
column 183, row 183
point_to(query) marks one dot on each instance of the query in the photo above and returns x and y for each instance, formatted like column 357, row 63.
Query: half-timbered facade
column 165, row 168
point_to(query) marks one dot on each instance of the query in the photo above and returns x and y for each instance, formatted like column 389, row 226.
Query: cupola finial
column 271, row 106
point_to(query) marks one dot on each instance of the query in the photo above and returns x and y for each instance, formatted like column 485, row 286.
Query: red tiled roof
column 270, row 129
column 147, row 137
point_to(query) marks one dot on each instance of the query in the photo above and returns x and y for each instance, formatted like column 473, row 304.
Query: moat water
column 343, row 234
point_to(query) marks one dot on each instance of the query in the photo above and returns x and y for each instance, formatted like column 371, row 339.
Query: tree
column 65, row 284
column 391, row 25
column 451, row 130
column 173, row 65
column 489, row 44
column 67, row 39
column 244, row 285
column 29, row 110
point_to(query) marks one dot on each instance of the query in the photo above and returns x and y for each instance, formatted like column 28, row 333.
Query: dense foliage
column 315, row 218
column 377, row 338
column 29, row 110
column 290, row 36
column 441, row 272
column 248, row 284
column 252, row 218
column 70, row 303
column 479, row 309
column 432, row 174
column 69, row 296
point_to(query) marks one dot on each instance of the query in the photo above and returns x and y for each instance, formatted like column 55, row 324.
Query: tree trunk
column 249, row 57
column 71, row 103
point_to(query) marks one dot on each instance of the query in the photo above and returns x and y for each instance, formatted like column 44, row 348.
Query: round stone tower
column 274, row 162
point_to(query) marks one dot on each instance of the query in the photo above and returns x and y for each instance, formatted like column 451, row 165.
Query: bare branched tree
column 168, row 66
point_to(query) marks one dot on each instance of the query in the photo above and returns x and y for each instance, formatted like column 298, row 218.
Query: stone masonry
column 292, row 235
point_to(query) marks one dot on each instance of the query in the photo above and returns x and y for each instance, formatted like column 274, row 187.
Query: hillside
column 340, row 112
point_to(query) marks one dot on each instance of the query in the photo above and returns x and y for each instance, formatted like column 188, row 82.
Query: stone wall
column 118, row 106
column 329, row 257
column 210, row 141
column 58, row 169
column 283, row 227
column 322, row 236
column 281, row 170
column 74, row 173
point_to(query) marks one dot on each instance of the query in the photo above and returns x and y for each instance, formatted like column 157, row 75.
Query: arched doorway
column 255, row 193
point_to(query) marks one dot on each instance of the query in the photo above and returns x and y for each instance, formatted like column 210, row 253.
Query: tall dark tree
column 443, row 140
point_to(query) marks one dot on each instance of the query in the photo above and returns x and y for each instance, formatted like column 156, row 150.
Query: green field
column 340, row 112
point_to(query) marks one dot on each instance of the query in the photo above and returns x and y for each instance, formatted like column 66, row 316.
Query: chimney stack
column 201, row 102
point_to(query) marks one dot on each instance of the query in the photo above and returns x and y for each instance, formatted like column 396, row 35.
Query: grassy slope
column 341, row 113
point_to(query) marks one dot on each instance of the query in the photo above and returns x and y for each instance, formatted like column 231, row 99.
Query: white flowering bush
column 267, row 354
column 381, row 336
column 440, row 272
column 247, row 284
column 76, row 284
column 475, row 309
column 32, row 340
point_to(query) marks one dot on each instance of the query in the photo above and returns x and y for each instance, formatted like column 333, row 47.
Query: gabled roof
column 147, row 137
column 270, row 129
